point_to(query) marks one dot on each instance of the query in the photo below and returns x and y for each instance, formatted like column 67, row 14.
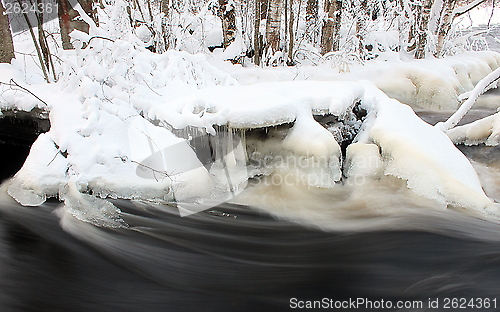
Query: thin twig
column 100, row 37
column 151, row 88
column 492, row 12
column 152, row 169
column 15, row 84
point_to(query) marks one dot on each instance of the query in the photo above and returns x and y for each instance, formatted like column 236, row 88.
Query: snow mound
column 484, row 131
column 419, row 153
column 124, row 125
column 258, row 105
column 99, row 137
column 432, row 83
column 95, row 148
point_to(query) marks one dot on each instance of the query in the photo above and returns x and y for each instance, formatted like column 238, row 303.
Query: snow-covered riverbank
column 113, row 113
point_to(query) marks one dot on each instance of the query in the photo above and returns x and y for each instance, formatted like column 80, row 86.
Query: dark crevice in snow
column 344, row 128
column 359, row 111
column 18, row 131
column 278, row 132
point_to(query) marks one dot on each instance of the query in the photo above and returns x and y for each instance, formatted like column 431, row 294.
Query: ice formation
column 484, row 131
column 99, row 136
column 432, row 83
column 94, row 149
column 415, row 151
column 423, row 84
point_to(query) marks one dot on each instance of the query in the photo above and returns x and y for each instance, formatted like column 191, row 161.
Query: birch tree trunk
column 330, row 32
column 6, row 44
column 311, row 11
column 260, row 16
column 164, row 8
column 228, row 16
column 273, row 26
column 444, row 25
column 405, row 29
column 361, row 23
column 311, row 19
column 423, row 29
column 68, row 20
column 291, row 36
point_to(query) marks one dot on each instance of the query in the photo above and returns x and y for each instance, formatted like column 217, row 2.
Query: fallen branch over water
column 479, row 89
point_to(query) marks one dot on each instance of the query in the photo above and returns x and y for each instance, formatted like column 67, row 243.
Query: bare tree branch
column 466, row 8
column 12, row 83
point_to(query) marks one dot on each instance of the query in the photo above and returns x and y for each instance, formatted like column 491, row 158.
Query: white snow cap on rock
column 417, row 152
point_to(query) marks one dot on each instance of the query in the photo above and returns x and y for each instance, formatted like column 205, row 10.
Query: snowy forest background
column 260, row 32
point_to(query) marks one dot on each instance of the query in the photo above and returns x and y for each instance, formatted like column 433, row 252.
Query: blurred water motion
column 235, row 259
column 243, row 258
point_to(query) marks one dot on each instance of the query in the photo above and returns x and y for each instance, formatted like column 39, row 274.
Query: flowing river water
column 255, row 257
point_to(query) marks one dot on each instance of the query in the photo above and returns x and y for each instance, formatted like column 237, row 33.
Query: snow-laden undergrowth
column 98, row 131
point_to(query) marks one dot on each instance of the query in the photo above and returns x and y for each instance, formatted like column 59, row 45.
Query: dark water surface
column 237, row 258
column 216, row 262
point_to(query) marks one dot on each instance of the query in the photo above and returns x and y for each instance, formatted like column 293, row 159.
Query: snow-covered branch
column 466, row 8
column 479, row 89
column 83, row 15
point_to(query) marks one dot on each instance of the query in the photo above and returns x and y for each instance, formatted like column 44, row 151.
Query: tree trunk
column 260, row 15
column 311, row 12
column 445, row 25
column 423, row 29
column 164, row 4
column 311, row 19
column 273, row 26
column 361, row 23
column 228, row 16
column 68, row 20
column 37, row 47
column 44, row 47
column 164, row 8
column 330, row 33
column 291, row 38
column 6, row 44
column 406, row 26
